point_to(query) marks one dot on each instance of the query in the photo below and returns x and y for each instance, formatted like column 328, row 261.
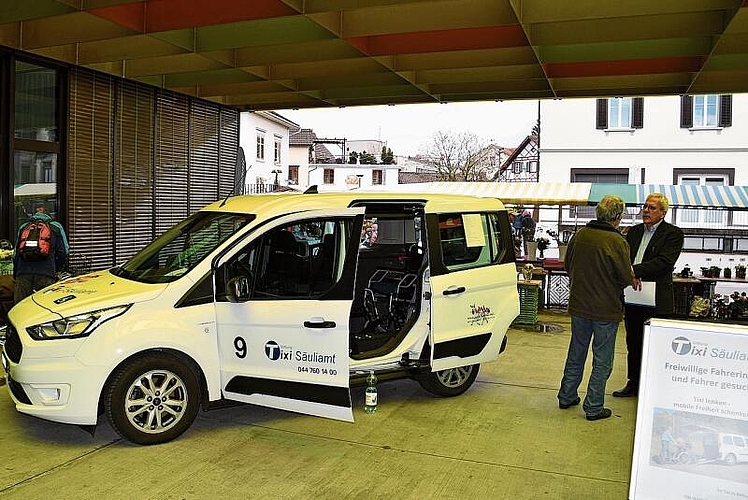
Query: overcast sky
column 408, row 128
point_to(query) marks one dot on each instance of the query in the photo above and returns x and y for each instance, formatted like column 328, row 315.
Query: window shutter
column 90, row 176
column 686, row 111
column 637, row 113
column 204, row 152
column 602, row 114
column 133, row 169
column 229, row 148
column 725, row 110
column 171, row 168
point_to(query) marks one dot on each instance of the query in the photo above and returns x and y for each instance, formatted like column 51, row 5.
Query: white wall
column 346, row 176
column 569, row 139
column 252, row 124
column 299, row 155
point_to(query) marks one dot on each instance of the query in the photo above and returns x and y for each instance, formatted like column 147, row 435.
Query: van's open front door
column 473, row 294
column 284, row 342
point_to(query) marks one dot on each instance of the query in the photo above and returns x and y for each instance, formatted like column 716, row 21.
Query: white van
column 733, row 448
column 276, row 300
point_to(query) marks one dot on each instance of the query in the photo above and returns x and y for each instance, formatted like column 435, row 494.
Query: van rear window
column 470, row 240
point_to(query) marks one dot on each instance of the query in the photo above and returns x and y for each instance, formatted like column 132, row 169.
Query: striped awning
column 697, row 196
column 584, row 193
column 513, row 193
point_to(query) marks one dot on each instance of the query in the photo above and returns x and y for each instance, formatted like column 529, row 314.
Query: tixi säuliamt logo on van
column 275, row 351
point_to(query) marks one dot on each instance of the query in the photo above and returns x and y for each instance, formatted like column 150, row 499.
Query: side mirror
column 237, row 289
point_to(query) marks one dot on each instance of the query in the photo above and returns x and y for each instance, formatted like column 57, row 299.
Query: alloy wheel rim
column 156, row 401
column 454, row 377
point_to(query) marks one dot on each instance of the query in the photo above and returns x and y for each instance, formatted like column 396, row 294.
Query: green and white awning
column 584, row 193
column 697, row 196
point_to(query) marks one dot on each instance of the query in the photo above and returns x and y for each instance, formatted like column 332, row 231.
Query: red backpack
column 35, row 242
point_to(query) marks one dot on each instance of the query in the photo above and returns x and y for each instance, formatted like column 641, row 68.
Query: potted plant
column 740, row 271
column 705, row 272
column 527, row 270
column 543, row 244
column 727, row 272
column 714, row 271
column 532, row 246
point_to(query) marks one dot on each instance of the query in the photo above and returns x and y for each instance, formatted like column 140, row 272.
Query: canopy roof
column 584, row 193
column 276, row 54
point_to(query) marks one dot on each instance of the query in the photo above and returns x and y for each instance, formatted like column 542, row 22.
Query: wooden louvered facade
column 140, row 160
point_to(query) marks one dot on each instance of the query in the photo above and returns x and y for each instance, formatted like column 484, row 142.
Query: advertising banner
column 691, row 440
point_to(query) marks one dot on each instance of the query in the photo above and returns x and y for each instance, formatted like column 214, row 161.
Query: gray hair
column 610, row 208
column 661, row 199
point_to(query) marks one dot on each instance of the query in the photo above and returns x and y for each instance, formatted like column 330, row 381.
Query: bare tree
column 457, row 156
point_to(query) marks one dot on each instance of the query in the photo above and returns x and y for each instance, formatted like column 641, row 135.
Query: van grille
column 13, row 347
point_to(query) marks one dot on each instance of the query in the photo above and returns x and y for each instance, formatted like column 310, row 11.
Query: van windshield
column 182, row 247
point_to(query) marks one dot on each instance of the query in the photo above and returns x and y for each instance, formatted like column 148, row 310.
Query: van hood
column 94, row 291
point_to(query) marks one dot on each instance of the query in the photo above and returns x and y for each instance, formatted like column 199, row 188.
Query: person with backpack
column 41, row 252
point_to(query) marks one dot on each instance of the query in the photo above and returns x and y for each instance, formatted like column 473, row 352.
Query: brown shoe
column 630, row 391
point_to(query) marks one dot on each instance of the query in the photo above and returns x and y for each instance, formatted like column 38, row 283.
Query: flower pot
column 562, row 252
column 532, row 250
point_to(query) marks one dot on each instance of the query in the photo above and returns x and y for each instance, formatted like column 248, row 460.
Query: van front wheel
column 731, row 459
column 450, row 382
column 152, row 400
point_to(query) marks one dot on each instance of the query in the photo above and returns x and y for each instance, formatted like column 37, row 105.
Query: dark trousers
column 634, row 321
column 26, row 284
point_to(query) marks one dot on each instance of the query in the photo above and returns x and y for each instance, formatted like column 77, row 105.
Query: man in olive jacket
column 599, row 268
column 655, row 247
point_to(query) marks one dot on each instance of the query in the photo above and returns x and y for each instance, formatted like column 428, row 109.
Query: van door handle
column 319, row 323
column 453, row 291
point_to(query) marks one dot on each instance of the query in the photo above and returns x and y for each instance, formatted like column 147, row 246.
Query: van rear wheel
column 731, row 459
column 450, row 382
column 152, row 400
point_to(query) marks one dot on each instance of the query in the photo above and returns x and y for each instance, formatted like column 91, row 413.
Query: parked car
column 733, row 448
column 271, row 300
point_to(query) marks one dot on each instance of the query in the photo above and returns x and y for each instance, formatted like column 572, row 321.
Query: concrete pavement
column 503, row 439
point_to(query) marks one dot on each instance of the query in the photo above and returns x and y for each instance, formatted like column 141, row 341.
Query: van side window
column 299, row 261
column 470, row 240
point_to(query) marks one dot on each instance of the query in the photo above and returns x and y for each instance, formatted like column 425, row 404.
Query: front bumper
column 61, row 389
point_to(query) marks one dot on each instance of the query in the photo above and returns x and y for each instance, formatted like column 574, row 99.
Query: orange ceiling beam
column 625, row 67
column 441, row 40
column 164, row 15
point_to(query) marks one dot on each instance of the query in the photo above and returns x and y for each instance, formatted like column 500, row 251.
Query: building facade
column 264, row 137
column 678, row 140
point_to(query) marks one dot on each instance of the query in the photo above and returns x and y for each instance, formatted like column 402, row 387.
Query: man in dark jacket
column 655, row 246
column 33, row 275
column 599, row 268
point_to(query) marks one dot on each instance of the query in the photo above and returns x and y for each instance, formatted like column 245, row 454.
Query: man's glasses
column 650, row 207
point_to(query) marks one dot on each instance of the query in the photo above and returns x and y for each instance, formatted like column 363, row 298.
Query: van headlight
column 80, row 325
